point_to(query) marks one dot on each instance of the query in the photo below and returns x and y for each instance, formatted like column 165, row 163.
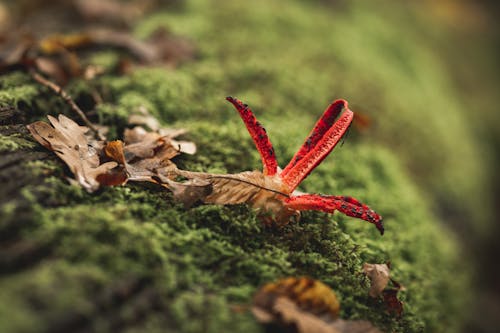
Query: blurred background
column 422, row 76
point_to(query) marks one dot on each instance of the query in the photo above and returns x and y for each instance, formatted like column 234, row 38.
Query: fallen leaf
column 139, row 165
column 190, row 192
column 142, row 144
column 139, row 134
column 379, row 275
column 230, row 189
column 310, row 295
column 145, row 156
column 303, row 305
column 69, row 141
column 250, row 187
column 393, row 304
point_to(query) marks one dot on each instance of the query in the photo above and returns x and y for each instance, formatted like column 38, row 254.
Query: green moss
column 201, row 260
column 224, row 254
column 17, row 88
column 15, row 142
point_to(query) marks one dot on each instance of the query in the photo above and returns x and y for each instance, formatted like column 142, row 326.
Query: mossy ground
column 131, row 258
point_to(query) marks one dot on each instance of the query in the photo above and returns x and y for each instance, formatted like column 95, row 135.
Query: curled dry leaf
column 146, row 156
column 138, row 134
column 141, row 165
column 71, row 144
column 379, row 275
column 303, row 305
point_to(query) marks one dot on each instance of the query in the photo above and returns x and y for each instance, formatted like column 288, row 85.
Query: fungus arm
column 259, row 136
column 330, row 203
column 322, row 125
column 303, row 167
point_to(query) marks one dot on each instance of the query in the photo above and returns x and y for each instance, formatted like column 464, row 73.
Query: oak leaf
column 71, row 144
column 145, row 156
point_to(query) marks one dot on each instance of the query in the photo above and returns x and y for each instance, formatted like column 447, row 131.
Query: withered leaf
column 146, row 156
column 70, row 143
column 139, row 167
column 303, row 305
column 188, row 192
column 139, row 134
column 379, row 275
column 229, row 189
column 309, row 294
column 393, row 304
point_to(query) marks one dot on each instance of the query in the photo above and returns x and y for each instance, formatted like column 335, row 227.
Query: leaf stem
column 67, row 98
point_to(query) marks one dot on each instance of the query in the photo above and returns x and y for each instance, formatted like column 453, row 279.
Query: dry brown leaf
column 379, row 275
column 303, row 305
column 189, row 192
column 393, row 304
column 250, row 187
column 70, row 143
column 309, row 294
column 146, row 156
column 144, row 166
column 230, row 189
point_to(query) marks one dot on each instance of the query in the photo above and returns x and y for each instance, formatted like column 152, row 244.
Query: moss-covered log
column 131, row 258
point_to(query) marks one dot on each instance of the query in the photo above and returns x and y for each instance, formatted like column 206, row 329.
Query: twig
column 67, row 98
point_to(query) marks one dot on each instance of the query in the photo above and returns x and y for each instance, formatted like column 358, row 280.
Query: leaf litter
column 143, row 156
column 304, row 305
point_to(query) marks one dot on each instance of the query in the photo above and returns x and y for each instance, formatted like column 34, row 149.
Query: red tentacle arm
column 259, row 136
column 322, row 125
column 296, row 174
column 330, row 203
